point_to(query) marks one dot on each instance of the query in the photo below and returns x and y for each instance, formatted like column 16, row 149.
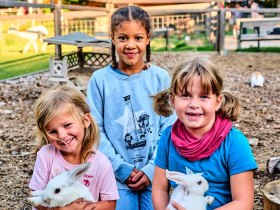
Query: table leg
column 81, row 57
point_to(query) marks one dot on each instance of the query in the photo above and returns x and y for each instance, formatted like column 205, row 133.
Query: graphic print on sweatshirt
column 136, row 126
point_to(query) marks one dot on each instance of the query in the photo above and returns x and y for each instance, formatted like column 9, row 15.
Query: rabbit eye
column 57, row 190
column 199, row 182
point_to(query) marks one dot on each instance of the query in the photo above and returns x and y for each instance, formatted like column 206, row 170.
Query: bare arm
column 242, row 191
column 101, row 205
column 41, row 208
column 160, row 189
column 78, row 204
column 106, row 205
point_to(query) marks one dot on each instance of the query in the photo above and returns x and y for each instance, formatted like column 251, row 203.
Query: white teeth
column 192, row 114
column 66, row 142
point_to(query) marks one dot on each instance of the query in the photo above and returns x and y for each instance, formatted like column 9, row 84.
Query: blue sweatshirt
column 129, row 127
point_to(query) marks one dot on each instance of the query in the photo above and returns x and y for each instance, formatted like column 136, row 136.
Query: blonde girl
column 69, row 136
column 203, row 140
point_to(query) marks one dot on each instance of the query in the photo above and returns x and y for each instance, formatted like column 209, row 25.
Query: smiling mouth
column 194, row 114
column 66, row 142
column 130, row 54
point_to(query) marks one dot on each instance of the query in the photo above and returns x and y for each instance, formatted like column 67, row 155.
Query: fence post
column 1, row 31
column 57, row 29
column 221, row 32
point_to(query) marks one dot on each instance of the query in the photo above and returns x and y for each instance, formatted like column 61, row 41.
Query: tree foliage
column 77, row 2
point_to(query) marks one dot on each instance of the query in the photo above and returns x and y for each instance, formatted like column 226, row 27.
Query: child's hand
column 139, row 182
column 177, row 206
column 78, row 204
column 129, row 179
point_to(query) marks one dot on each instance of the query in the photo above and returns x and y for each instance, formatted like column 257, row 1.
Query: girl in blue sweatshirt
column 119, row 97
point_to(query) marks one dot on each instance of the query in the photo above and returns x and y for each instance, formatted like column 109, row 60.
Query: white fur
column 70, row 189
column 256, row 79
column 189, row 191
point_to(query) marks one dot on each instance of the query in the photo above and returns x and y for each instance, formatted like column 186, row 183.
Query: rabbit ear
column 77, row 172
column 189, row 171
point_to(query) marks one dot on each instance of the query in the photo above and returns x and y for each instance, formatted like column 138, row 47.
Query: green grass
column 15, row 64
column 262, row 49
column 197, row 42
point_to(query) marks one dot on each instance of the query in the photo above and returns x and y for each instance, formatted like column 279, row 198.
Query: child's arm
column 78, row 204
column 101, row 205
column 242, row 191
column 160, row 189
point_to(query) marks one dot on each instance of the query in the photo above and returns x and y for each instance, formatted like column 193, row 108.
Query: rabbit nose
column 46, row 200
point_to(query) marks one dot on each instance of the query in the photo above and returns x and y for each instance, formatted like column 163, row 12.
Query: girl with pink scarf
column 203, row 140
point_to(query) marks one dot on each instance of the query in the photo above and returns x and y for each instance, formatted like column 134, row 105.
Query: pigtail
column 113, row 54
column 148, row 53
column 161, row 103
column 230, row 108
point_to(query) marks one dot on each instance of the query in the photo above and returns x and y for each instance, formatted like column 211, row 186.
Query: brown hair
column 211, row 82
column 51, row 102
column 130, row 13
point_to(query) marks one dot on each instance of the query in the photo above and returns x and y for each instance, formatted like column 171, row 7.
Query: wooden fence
column 210, row 20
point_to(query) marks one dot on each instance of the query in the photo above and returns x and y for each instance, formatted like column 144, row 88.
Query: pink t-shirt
column 99, row 178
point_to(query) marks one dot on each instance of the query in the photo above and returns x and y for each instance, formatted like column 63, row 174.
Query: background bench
column 261, row 26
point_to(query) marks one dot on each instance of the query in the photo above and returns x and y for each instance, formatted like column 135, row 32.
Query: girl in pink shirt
column 69, row 136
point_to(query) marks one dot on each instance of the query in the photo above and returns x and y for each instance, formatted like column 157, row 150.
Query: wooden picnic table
column 80, row 63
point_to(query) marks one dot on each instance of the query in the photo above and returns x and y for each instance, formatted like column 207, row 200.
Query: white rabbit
column 190, row 190
column 63, row 189
column 256, row 79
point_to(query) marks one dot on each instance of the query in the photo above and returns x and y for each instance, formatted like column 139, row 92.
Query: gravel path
column 260, row 119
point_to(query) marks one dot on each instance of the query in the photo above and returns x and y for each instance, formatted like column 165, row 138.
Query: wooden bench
column 261, row 27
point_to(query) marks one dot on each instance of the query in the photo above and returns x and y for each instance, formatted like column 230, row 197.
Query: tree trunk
column 271, row 195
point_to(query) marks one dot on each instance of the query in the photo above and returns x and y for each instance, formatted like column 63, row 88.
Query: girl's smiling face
column 195, row 109
column 66, row 132
column 131, row 40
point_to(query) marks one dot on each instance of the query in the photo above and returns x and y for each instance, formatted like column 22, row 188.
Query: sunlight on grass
column 14, row 63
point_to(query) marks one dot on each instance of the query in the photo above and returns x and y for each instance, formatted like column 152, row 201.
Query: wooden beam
column 76, row 7
column 25, row 4
column 161, row 1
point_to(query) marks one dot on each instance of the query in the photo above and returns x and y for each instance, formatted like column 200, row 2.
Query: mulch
column 259, row 119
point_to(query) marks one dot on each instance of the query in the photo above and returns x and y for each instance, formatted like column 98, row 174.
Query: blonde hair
column 211, row 82
column 50, row 104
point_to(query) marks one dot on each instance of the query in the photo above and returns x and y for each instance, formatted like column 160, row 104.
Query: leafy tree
column 77, row 2
column 268, row 3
